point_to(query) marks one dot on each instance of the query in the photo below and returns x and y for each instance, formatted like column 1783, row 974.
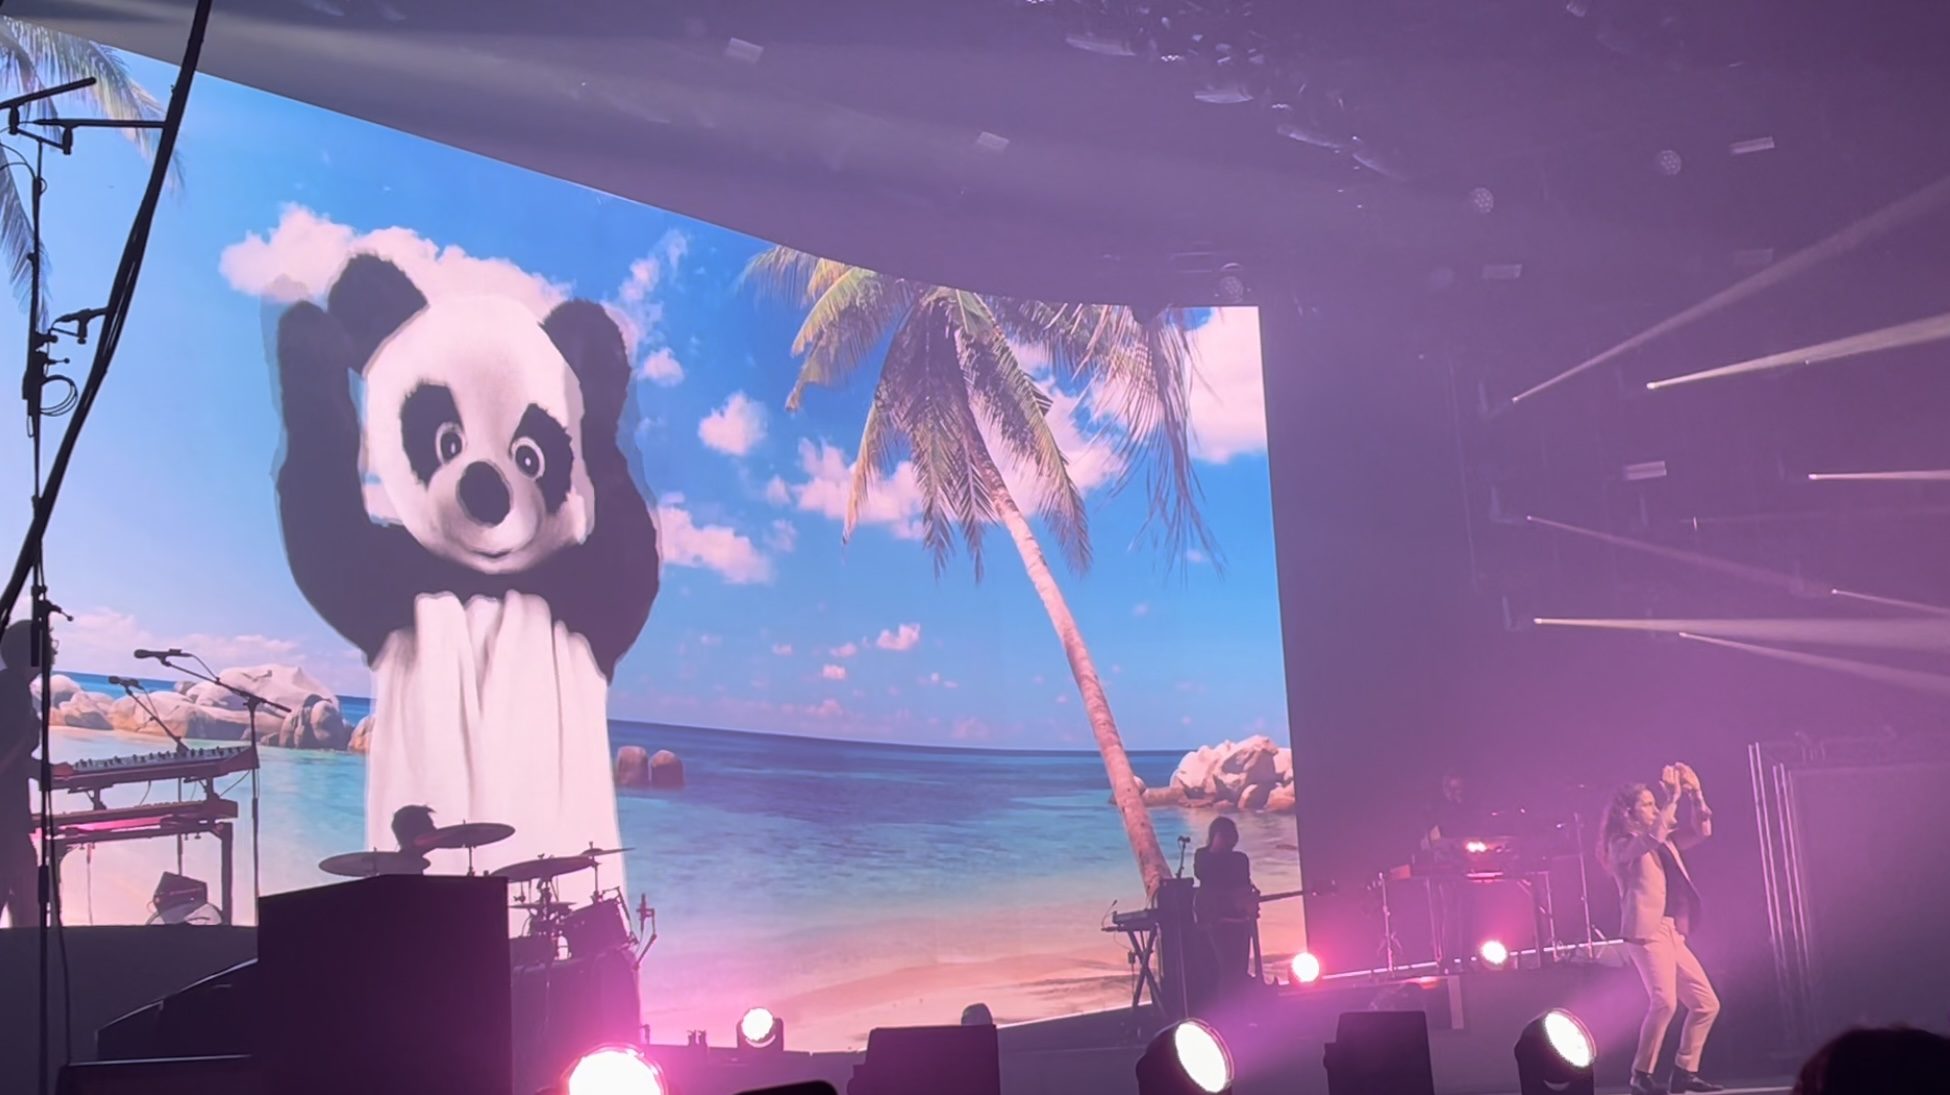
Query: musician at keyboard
column 1226, row 904
column 20, row 732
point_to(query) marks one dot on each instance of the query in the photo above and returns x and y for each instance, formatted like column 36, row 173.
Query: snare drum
column 532, row 950
column 598, row 926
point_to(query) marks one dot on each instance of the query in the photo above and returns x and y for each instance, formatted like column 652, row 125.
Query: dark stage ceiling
column 965, row 142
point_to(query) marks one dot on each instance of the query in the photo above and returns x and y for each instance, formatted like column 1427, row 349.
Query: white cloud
column 1141, row 609
column 783, row 650
column 894, row 501
column 640, row 314
column 661, row 367
column 1195, row 556
column 783, row 537
column 708, row 639
column 1062, row 697
column 1228, row 397
column 682, row 542
column 776, row 492
column 906, row 637
column 99, row 641
column 970, row 729
column 735, row 428
column 302, row 256
column 833, row 672
column 845, row 650
column 827, row 708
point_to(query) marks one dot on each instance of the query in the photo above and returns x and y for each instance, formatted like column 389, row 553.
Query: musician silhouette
column 1226, row 904
column 411, row 826
column 20, row 732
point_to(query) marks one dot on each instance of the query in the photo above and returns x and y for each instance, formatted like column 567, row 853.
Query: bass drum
column 602, row 925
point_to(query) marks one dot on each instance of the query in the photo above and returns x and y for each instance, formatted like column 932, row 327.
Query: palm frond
column 33, row 56
column 1017, row 410
column 17, row 244
column 1139, row 374
column 843, row 326
column 781, row 272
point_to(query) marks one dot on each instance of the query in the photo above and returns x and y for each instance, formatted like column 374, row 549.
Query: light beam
column 1851, row 236
column 1914, row 333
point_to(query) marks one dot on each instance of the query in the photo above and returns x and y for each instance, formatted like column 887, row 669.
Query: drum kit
column 550, row 925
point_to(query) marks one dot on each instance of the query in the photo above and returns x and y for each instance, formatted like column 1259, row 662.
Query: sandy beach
column 838, row 913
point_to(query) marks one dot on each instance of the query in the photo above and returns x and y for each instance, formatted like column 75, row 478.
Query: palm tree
column 951, row 394
column 33, row 57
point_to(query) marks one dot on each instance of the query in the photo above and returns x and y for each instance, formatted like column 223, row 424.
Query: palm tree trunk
column 1124, row 788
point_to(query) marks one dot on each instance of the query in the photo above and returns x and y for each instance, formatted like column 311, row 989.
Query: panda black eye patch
column 422, row 418
column 557, row 456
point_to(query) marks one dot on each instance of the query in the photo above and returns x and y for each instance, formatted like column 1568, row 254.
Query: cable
column 30, row 559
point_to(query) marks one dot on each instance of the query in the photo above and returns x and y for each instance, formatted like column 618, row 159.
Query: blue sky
column 167, row 534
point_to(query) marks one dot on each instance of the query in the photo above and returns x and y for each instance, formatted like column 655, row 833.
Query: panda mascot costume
column 506, row 559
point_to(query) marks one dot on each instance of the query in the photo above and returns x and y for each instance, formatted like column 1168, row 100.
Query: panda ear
column 592, row 344
column 371, row 299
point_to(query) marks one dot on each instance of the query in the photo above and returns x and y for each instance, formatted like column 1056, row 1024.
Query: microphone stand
column 132, row 687
column 30, row 564
column 252, row 701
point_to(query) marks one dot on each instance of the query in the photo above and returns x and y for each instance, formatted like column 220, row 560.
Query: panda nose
column 484, row 494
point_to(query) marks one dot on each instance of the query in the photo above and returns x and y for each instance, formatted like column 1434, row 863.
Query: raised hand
column 1669, row 781
column 1688, row 779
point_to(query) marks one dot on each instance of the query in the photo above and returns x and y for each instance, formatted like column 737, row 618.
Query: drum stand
column 1391, row 944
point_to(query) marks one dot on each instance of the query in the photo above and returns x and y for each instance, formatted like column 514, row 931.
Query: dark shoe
column 1644, row 1083
column 1683, row 1080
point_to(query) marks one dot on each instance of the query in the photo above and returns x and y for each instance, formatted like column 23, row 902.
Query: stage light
column 1493, row 953
column 1483, row 200
column 1556, row 1054
column 1669, row 162
column 1306, row 968
column 1188, row 1058
column 615, row 1070
column 758, row 1028
column 1476, row 847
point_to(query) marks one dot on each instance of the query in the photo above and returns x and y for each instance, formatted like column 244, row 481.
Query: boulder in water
column 83, row 711
column 666, row 771
column 633, row 766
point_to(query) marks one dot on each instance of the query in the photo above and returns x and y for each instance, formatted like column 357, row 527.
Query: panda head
column 475, row 412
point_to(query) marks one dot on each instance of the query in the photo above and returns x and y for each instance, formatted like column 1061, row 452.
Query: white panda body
column 501, row 716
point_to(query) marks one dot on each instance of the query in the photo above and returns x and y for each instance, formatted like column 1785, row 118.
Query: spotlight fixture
column 1231, row 285
column 1187, row 1058
column 614, row 1070
column 1305, row 968
column 1482, row 200
column 1556, row 1055
column 1669, row 162
column 759, row 1029
column 1494, row 954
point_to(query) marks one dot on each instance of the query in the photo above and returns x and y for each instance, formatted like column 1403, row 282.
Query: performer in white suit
column 1644, row 832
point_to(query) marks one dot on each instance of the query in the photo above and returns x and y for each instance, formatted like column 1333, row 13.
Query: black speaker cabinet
column 395, row 985
column 1381, row 1053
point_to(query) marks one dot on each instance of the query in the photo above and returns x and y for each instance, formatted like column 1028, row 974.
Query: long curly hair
column 1618, row 820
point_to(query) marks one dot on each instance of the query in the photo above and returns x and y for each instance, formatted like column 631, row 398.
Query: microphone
column 126, row 682
column 160, row 655
column 81, row 320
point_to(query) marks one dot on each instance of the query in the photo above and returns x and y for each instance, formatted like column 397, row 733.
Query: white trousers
column 1673, row 977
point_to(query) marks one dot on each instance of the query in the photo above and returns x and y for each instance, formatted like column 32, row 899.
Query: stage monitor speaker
column 1872, row 890
column 1380, row 1053
column 939, row 1060
column 179, row 1076
column 395, row 985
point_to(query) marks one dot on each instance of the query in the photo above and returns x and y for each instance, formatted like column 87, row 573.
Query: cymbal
column 368, row 864
column 473, row 834
column 534, row 870
column 592, row 850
